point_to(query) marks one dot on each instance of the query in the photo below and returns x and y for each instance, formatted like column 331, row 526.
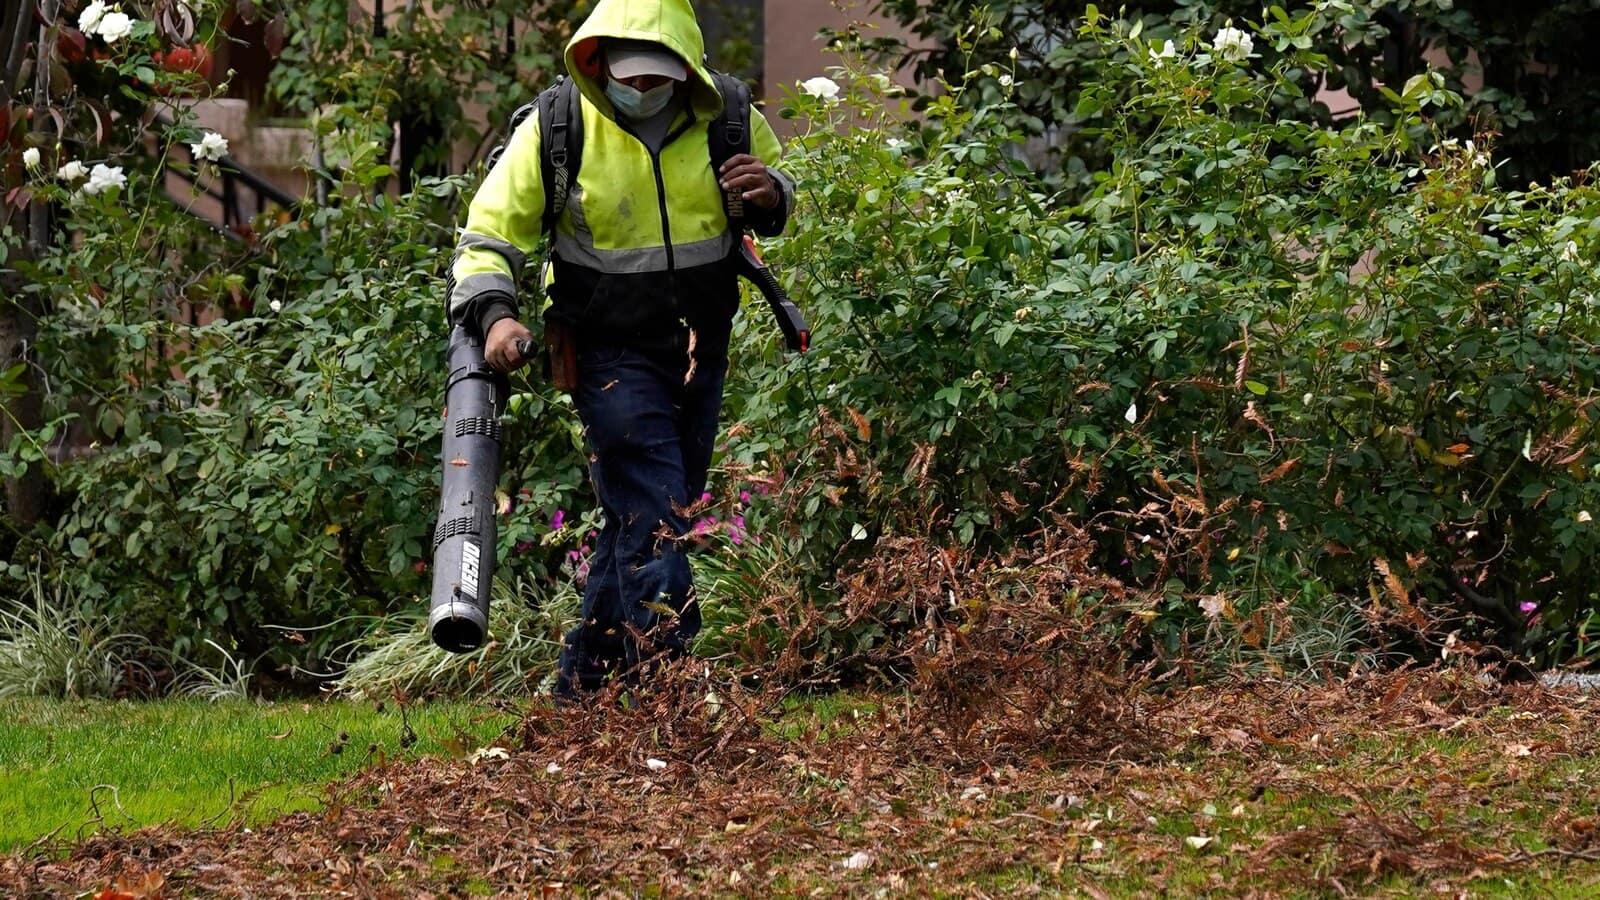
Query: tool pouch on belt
column 563, row 355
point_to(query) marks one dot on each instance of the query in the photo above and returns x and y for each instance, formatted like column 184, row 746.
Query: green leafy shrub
column 1524, row 70
column 1256, row 351
column 276, row 465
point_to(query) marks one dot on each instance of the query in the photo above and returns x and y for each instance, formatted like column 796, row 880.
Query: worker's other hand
column 501, row 350
column 749, row 177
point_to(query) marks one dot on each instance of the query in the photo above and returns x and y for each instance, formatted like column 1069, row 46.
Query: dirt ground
column 1408, row 782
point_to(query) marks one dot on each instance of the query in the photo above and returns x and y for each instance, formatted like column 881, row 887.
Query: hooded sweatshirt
column 642, row 251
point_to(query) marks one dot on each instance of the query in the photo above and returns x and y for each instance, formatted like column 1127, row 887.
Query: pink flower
column 706, row 497
column 557, row 519
column 744, row 496
column 1528, row 607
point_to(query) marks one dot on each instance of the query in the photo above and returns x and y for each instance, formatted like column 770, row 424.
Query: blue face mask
column 636, row 104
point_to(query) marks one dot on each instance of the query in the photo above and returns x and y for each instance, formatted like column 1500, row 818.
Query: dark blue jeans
column 650, row 427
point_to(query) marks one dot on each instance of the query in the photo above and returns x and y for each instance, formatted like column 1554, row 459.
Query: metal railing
column 241, row 194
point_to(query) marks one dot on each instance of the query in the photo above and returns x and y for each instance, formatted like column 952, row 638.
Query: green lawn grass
column 192, row 762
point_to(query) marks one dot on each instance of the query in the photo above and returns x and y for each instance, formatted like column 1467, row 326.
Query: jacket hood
column 670, row 23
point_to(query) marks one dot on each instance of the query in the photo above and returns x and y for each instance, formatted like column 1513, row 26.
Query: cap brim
column 633, row 63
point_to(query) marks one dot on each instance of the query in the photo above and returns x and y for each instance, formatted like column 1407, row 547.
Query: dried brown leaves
column 1025, row 746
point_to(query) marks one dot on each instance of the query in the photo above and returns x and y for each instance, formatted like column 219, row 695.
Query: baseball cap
column 627, row 59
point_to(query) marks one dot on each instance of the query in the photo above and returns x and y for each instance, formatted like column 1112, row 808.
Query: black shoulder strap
column 560, row 145
column 730, row 135
column 517, row 118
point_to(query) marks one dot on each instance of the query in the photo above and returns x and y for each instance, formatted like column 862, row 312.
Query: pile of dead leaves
column 703, row 784
column 1023, row 751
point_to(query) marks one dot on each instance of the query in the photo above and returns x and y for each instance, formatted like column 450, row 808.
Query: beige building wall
column 794, row 52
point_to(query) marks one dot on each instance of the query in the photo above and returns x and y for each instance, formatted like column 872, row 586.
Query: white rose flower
column 275, row 306
column 1167, row 51
column 103, row 178
column 826, row 88
column 211, row 147
column 1569, row 252
column 30, row 157
column 1233, row 45
column 72, row 171
column 1006, row 81
column 114, row 26
column 89, row 19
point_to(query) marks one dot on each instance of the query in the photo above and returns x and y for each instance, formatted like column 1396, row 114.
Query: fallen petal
column 857, row 860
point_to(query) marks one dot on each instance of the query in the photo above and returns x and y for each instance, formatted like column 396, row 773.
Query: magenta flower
column 744, row 496
column 1528, row 607
column 557, row 519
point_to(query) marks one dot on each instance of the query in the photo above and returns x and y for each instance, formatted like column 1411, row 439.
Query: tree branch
column 14, row 38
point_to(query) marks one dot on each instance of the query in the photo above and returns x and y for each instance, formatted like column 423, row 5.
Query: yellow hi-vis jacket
column 642, row 247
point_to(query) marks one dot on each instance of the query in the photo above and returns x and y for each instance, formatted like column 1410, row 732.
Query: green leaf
column 1255, row 387
column 1003, row 334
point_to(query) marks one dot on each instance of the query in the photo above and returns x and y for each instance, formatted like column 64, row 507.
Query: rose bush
column 1256, row 355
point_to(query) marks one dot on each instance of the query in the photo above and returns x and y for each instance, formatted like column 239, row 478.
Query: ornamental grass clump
column 50, row 648
column 399, row 658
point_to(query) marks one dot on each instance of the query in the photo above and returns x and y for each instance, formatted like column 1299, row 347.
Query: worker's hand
column 501, row 348
column 749, row 176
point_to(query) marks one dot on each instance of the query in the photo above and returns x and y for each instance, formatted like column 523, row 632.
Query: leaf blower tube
column 464, row 539
column 796, row 334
